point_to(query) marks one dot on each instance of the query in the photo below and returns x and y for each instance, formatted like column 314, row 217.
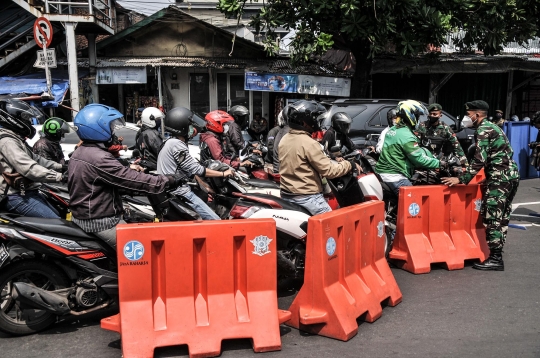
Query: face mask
column 467, row 122
column 433, row 120
column 498, row 116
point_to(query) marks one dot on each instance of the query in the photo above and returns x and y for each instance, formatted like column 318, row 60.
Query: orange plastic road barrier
column 346, row 274
column 197, row 283
column 439, row 224
column 478, row 178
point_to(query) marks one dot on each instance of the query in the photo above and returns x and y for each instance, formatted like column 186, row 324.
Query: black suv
column 369, row 120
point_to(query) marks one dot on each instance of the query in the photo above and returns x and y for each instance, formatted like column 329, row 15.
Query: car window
column 375, row 121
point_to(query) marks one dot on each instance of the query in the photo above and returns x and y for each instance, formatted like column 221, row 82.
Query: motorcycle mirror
column 369, row 137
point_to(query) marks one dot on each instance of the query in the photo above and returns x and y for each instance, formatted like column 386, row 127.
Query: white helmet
column 149, row 116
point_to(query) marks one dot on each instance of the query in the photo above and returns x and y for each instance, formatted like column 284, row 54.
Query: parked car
column 369, row 120
column 129, row 133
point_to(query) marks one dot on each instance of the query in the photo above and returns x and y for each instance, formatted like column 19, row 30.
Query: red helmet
column 216, row 119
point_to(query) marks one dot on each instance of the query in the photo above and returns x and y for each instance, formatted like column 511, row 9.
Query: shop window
column 199, row 93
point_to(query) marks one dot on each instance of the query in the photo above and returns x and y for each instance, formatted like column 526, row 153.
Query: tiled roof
column 262, row 65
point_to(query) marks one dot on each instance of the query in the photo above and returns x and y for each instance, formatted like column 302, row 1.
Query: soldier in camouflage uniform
column 438, row 131
column 494, row 154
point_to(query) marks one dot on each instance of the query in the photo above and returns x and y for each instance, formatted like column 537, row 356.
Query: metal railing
column 100, row 9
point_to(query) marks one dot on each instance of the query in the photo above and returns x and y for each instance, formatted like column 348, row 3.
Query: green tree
column 402, row 27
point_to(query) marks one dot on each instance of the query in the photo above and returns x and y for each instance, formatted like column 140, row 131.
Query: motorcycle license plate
column 3, row 254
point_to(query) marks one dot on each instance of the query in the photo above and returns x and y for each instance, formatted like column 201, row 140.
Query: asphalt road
column 464, row 313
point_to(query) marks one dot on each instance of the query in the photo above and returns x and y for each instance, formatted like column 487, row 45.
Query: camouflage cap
column 499, row 111
column 434, row 107
column 478, row 104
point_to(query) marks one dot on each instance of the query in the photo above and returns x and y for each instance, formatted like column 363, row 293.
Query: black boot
column 493, row 263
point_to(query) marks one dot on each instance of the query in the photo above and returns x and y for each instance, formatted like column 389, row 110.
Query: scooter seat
column 57, row 226
column 260, row 183
column 286, row 205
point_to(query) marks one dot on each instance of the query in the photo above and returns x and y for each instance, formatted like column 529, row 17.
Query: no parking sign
column 43, row 32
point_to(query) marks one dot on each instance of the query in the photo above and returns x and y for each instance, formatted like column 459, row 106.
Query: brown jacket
column 303, row 163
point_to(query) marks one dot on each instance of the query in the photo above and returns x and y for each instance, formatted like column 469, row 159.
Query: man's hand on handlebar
column 246, row 163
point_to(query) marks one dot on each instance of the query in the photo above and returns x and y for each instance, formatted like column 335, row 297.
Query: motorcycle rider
column 212, row 141
column 17, row 157
column 258, row 127
column 440, row 133
column 401, row 152
column 391, row 117
column 235, row 140
column 95, row 175
column 277, row 139
column 148, row 139
column 302, row 160
column 336, row 135
column 271, row 138
column 48, row 147
column 174, row 158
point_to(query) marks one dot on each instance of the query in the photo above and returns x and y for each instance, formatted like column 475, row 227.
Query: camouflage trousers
column 496, row 209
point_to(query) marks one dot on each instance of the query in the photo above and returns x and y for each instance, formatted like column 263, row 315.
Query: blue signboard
column 271, row 82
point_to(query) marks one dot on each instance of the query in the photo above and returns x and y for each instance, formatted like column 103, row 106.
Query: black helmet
column 55, row 128
column 390, row 116
column 305, row 111
column 341, row 122
column 240, row 114
column 17, row 115
column 282, row 119
column 178, row 120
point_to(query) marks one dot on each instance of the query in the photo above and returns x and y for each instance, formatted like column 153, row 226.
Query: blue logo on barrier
column 414, row 209
column 133, row 250
column 330, row 246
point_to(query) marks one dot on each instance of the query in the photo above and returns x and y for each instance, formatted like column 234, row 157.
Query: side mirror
column 369, row 137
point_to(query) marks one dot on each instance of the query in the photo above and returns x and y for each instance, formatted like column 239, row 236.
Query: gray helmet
column 341, row 122
column 240, row 115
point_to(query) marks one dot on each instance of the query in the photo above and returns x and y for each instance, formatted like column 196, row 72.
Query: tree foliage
column 403, row 27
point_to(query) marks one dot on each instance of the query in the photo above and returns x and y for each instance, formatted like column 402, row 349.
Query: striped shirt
column 174, row 158
column 97, row 225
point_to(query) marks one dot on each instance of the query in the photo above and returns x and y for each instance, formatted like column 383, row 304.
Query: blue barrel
column 518, row 135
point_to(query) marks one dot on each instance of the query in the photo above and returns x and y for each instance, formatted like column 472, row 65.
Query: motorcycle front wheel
column 22, row 321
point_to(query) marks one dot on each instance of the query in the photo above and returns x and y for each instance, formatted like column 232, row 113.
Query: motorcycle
column 51, row 268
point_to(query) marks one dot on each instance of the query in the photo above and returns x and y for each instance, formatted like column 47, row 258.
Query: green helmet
column 55, row 128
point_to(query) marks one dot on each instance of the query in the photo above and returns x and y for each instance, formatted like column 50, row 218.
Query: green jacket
column 494, row 153
column 401, row 153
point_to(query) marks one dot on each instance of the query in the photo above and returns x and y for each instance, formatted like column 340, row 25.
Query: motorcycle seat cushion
column 260, row 183
column 287, row 205
column 57, row 226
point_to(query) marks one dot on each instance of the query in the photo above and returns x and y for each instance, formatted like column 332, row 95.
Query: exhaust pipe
column 35, row 297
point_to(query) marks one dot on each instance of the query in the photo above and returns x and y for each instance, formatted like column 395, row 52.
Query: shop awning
column 35, row 84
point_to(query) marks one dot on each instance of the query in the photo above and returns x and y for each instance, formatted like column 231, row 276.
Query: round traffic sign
column 43, row 32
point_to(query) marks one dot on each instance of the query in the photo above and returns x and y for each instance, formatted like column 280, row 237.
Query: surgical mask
column 467, row 122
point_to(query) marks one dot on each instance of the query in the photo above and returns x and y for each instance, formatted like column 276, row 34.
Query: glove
column 175, row 180
column 64, row 177
column 64, row 168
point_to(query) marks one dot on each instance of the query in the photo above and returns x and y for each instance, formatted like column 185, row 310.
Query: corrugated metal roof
column 262, row 65
column 532, row 46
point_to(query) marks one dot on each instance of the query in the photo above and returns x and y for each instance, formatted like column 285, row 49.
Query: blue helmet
column 96, row 122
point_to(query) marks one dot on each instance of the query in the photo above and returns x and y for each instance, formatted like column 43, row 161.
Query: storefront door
column 230, row 88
